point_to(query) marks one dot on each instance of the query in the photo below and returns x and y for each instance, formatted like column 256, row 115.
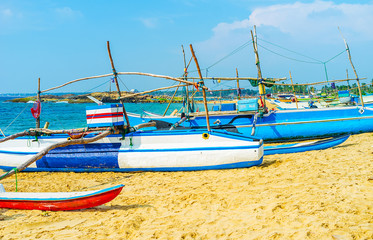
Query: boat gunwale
column 86, row 195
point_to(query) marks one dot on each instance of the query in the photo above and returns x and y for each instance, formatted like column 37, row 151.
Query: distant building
column 134, row 91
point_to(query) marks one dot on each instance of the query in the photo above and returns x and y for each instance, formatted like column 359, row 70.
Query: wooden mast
column 38, row 100
column 262, row 90
column 185, row 78
column 238, row 86
column 203, row 89
column 117, row 85
column 296, row 100
column 353, row 68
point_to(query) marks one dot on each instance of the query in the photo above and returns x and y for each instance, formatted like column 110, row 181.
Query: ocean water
column 17, row 117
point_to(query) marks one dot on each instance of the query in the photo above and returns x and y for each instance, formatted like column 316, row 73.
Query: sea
column 17, row 117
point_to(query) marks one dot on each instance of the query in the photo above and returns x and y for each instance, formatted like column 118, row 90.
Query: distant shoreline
column 105, row 97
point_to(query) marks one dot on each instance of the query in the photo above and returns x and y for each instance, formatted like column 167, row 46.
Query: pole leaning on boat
column 238, row 87
column 38, row 102
column 117, row 85
column 353, row 68
column 262, row 90
column 203, row 89
column 292, row 86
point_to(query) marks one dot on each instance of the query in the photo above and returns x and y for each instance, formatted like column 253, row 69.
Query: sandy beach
column 324, row 194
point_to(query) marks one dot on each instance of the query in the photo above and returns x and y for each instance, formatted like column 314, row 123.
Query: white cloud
column 67, row 13
column 6, row 13
column 317, row 17
column 149, row 22
column 303, row 21
column 9, row 20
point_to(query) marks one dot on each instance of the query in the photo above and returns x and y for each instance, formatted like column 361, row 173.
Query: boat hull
column 285, row 124
column 139, row 151
column 58, row 201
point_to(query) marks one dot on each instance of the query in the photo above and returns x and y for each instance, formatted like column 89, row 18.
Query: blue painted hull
column 286, row 124
column 185, row 150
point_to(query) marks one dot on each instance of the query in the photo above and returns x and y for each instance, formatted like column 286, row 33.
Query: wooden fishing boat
column 280, row 124
column 57, row 201
column 177, row 150
column 110, row 154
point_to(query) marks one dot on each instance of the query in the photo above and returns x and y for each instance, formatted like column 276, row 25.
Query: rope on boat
column 229, row 54
column 316, row 61
column 99, row 85
column 14, row 119
column 15, row 173
column 254, row 123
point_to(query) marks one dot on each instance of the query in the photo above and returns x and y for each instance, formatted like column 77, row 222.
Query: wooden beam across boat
column 203, row 89
column 56, row 145
column 117, row 85
column 239, row 78
column 315, row 83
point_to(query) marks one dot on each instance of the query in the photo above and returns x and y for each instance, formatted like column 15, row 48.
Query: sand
column 324, row 194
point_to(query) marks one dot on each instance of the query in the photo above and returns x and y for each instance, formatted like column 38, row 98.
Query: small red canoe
column 58, row 201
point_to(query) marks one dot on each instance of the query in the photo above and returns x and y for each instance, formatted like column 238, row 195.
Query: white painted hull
column 139, row 151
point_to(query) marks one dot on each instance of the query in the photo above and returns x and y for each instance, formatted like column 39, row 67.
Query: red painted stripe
column 105, row 114
column 95, row 117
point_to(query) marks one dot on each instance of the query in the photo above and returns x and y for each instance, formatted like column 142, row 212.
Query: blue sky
column 60, row 41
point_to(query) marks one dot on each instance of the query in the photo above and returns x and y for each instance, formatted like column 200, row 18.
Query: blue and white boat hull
column 284, row 124
column 138, row 151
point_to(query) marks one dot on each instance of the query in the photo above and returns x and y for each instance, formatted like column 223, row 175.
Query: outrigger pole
column 38, row 100
column 185, row 77
column 262, row 90
column 117, row 85
column 353, row 67
column 238, row 87
column 292, row 86
column 203, row 89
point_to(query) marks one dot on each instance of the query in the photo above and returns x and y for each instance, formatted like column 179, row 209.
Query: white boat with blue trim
column 184, row 150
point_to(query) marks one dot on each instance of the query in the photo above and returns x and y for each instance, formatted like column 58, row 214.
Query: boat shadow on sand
column 267, row 163
column 104, row 208
column 344, row 145
column 101, row 208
